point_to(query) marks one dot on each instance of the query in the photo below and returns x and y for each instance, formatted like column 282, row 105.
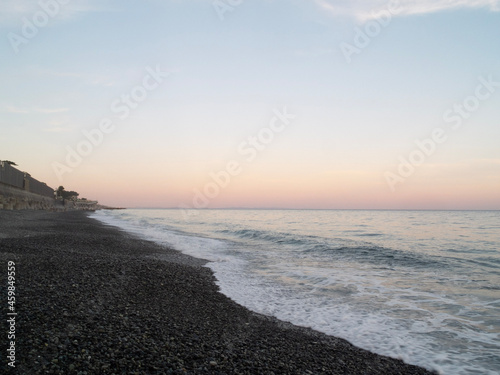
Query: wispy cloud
column 14, row 109
column 59, row 125
column 50, row 110
column 12, row 11
column 82, row 77
column 313, row 52
column 104, row 81
column 364, row 10
column 57, row 129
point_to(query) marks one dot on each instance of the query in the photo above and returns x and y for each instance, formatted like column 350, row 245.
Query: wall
column 11, row 176
column 13, row 198
column 37, row 187
column 14, row 177
column 20, row 191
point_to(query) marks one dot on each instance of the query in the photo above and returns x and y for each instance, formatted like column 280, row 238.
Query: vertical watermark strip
column 11, row 313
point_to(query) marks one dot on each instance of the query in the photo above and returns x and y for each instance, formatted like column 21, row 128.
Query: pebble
column 115, row 304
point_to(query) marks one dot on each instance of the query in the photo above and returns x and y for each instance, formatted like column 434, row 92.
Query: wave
column 273, row 237
column 341, row 248
column 381, row 256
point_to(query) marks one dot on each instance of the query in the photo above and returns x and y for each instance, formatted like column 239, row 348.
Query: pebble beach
column 91, row 299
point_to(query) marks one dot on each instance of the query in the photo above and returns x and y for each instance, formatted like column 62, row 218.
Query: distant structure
column 14, row 177
column 20, row 191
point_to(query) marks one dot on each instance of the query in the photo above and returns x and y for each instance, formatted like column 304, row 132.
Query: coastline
column 92, row 298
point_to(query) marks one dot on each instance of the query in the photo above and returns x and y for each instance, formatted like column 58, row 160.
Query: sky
column 324, row 104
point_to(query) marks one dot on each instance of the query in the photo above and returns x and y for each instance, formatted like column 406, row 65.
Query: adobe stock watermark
column 248, row 149
column 121, row 108
column 31, row 26
column 371, row 29
column 221, row 7
column 454, row 118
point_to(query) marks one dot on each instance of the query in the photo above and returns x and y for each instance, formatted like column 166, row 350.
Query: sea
column 421, row 286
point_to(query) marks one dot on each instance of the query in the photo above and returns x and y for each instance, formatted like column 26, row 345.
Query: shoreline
column 93, row 298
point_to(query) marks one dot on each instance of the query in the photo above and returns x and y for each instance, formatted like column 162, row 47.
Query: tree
column 60, row 192
column 70, row 195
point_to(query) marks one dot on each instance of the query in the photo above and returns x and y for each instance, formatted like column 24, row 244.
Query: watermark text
column 121, row 108
column 371, row 29
column 11, row 313
column 31, row 26
column 248, row 150
column 453, row 117
column 221, row 7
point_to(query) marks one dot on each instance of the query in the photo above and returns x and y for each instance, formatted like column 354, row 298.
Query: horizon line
column 312, row 209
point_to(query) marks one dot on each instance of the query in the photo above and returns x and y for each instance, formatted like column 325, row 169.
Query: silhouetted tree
column 60, row 192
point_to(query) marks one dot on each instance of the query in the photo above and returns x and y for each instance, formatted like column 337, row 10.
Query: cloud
column 51, row 110
column 57, row 129
column 14, row 109
column 313, row 52
column 61, row 125
column 13, row 11
column 364, row 10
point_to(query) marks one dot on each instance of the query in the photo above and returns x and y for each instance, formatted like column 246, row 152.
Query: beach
column 91, row 299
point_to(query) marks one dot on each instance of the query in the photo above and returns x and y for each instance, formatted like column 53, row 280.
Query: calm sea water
column 423, row 286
